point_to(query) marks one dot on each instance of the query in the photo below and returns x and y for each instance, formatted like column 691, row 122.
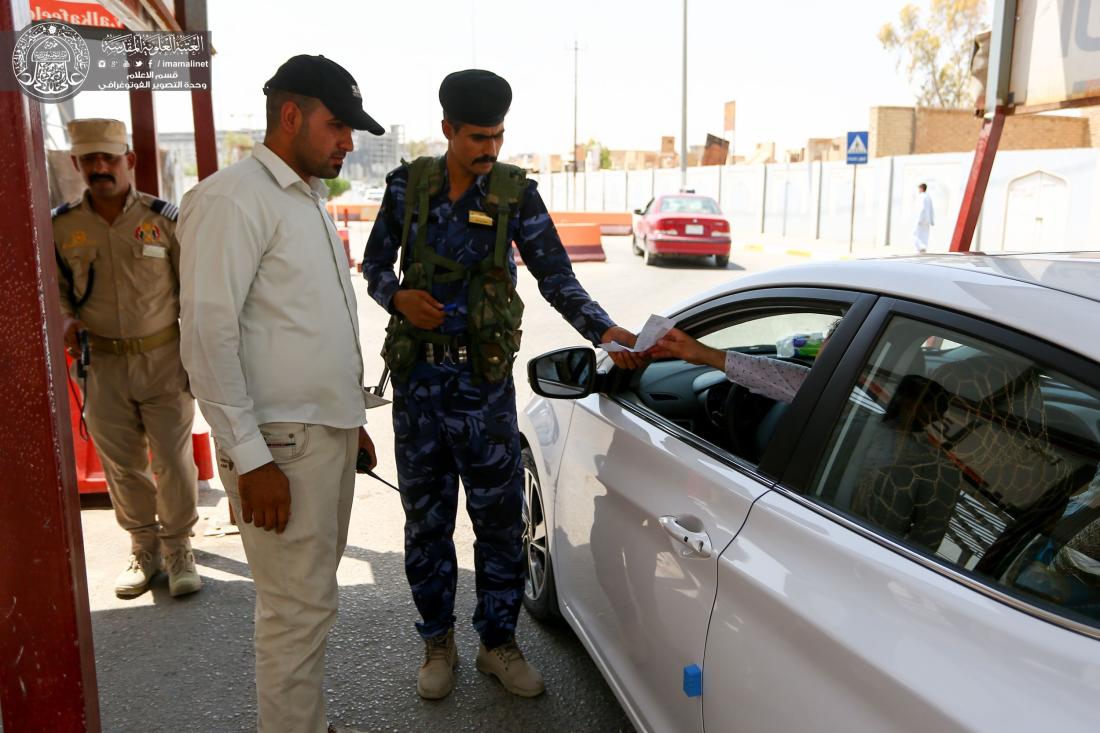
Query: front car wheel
column 540, row 596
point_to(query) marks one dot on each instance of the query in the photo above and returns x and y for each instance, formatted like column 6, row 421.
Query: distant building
column 825, row 149
column 530, row 162
column 633, row 160
column 763, row 153
column 920, row 130
column 716, row 150
column 375, row 155
column 182, row 146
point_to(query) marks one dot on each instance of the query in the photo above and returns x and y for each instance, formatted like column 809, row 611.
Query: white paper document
column 654, row 329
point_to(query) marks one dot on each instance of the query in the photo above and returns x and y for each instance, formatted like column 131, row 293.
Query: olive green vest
column 494, row 308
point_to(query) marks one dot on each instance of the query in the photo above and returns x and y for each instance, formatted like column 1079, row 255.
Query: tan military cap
column 98, row 136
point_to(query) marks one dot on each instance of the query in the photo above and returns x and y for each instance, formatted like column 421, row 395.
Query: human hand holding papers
column 655, row 328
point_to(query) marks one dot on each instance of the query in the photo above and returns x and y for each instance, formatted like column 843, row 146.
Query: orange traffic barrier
column 360, row 211
column 582, row 242
column 90, row 478
column 610, row 222
column 345, row 238
column 204, row 457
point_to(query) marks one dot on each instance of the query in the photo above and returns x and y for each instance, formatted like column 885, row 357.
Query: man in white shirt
column 925, row 219
column 270, row 340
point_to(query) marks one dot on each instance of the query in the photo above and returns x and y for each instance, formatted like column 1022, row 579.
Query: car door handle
column 697, row 543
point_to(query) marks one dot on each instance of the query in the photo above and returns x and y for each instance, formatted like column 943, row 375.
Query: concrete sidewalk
column 817, row 249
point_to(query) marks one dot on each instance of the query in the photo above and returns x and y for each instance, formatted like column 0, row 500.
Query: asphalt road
column 182, row 665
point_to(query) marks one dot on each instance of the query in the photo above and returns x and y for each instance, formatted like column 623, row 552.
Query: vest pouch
column 499, row 304
column 496, row 353
column 494, row 313
column 399, row 348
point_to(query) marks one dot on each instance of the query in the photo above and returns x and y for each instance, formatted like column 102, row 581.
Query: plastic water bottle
column 799, row 344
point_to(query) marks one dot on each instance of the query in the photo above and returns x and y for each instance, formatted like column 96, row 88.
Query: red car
column 682, row 225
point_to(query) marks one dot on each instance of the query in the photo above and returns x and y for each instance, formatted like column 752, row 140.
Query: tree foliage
column 417, row 148
column 934, row 48
column 336, row 186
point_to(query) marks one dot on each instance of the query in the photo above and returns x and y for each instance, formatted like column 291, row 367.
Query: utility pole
column 576, row 48
column 684, row 108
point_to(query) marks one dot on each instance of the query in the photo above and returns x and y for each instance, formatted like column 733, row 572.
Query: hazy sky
column 797, row 68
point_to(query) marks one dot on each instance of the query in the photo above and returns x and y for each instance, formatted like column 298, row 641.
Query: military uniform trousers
column 135, row 403
column 446, row 426
column 295, row 572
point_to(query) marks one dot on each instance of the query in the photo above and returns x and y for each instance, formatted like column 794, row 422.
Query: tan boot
column 133, row 581
column 182, row 576
column 507, row 664
column 437, row 677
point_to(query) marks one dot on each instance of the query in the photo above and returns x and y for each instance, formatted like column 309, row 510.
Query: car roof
column 685, row 196
column 1052, row 296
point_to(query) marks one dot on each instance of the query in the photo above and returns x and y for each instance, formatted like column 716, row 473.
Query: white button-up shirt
column 270, row 331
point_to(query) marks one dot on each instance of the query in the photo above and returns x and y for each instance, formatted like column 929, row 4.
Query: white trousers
column 295, row 572
column 920, row 237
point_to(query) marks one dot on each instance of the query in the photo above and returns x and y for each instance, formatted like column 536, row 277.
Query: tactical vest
column 494, row 308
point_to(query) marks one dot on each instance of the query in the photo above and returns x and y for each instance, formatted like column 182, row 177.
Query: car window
column 977, row 455
column 689, row 205
column 776, row 350
column 806, row 329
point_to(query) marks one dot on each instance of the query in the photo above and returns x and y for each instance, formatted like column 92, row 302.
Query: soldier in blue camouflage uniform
column 449, row 421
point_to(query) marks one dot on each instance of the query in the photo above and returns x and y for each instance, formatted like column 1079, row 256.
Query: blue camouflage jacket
column 452, row 235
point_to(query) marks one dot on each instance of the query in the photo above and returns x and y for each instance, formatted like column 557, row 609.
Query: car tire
column 540, row 595
column 648, row 256
column 721, row 261
column 634, row 244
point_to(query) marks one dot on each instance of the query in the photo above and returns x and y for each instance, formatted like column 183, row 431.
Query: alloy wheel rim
column 534, row 536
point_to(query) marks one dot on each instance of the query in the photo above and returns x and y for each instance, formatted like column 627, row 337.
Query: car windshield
column 689, row 205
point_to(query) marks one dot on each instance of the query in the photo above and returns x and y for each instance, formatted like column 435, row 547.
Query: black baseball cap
column 324, row 79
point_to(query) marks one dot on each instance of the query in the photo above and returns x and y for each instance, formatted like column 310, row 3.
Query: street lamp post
column 575, row 161
column 684, row 107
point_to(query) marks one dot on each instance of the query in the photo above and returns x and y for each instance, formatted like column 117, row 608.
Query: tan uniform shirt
column 135, row 260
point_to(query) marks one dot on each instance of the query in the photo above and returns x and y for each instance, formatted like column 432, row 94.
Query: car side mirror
column 565, row 374
column 639, row 212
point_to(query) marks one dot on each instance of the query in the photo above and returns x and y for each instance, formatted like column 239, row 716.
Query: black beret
column 324, row 79
column 476, row 97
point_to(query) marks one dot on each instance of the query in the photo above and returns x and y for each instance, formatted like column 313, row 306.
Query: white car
column 912, row 544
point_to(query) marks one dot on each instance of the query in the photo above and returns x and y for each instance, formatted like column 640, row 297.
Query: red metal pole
column 206, row 144
column 143, row 128
column 970, row 211
column 191, row 15
column 47, row 665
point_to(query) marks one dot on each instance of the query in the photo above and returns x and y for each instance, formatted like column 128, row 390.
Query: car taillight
column 666, row 228
column 721, row 226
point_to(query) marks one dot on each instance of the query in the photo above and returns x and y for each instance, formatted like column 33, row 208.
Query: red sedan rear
column 682, row 225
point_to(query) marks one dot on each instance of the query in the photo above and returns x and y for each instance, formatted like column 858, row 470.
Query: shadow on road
column 187, row 664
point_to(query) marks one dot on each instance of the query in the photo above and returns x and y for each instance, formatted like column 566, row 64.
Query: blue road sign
column 857, row 148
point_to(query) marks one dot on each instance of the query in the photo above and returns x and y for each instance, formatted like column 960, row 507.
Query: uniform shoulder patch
column 166, row 209
column 67, row 206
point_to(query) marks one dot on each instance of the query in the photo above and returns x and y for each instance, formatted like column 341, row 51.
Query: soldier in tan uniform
column 118, row 267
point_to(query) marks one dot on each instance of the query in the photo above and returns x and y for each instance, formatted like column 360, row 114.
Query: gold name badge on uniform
column 152, row 250
column 479, row 217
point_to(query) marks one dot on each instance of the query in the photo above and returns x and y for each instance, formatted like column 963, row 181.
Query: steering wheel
column 737, row 417
column 743, row 412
